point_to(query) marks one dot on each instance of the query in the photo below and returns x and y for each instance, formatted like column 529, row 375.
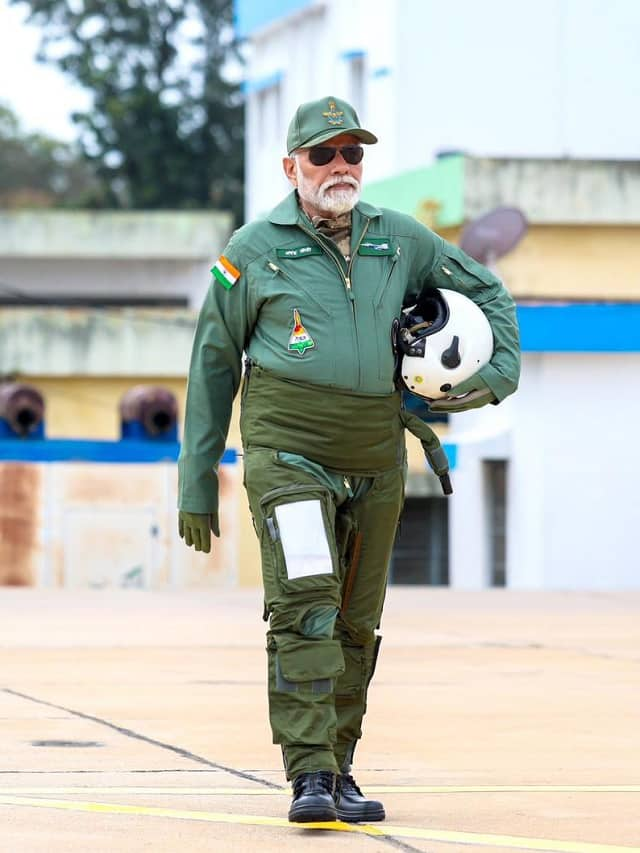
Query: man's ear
column 289, row 166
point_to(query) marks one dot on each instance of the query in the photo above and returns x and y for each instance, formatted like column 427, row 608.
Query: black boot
column 351, row 804
column 313, row 797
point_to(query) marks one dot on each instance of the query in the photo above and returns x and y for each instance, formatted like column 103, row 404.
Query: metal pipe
column 152, row 406
column 21, row 407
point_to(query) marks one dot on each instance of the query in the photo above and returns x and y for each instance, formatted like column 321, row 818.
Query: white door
column 108, row 548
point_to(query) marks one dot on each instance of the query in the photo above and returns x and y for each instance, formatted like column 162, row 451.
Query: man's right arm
column 214, row 377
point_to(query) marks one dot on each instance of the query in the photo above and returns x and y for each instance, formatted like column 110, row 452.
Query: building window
column 269, row 133
column 495, row 476
column 356, row 83
column 80, row 300
column 356, row 69
column 421, row 551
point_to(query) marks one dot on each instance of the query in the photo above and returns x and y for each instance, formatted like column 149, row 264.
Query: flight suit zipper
column 352, row 258
column 351, row 294
column 345, row 277
column 329, row 252
column 394, row 260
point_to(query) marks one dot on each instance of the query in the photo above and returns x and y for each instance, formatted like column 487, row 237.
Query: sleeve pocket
column 455, row 270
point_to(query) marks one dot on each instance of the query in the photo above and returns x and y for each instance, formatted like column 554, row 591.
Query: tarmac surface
column 498, row 720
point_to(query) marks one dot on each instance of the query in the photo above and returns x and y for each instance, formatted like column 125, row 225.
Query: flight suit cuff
column 197, row 485
column 497, row 383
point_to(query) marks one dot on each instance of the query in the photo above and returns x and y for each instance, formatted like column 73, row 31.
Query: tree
column 38, row 171
column 166, row 127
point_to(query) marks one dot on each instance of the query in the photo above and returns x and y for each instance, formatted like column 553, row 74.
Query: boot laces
column 318, row 779
column 347, row 781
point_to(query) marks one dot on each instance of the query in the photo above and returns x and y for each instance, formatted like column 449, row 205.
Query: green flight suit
column 323, row 433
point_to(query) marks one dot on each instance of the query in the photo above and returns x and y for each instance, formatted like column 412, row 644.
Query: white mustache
column 339, row 179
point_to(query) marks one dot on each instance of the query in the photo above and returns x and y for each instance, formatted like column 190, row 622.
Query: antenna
column 494, row 234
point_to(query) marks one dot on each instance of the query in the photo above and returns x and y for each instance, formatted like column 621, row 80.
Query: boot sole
column 370, row 816
column 312, row 814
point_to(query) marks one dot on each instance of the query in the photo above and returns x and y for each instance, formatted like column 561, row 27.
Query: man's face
column 328, row 190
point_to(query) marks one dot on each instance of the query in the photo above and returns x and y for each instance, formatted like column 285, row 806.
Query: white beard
column 325, row 199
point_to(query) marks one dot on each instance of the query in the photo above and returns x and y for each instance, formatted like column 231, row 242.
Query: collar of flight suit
column 288, row 212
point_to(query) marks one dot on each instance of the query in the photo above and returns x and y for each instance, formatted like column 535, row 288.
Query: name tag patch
column 299, row 252
column 376, row 246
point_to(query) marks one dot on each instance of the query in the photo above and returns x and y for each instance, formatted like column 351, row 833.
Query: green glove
column 470, row 394
column 195, row 527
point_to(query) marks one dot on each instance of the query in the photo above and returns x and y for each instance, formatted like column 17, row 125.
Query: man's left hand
column 473, row 393
column 196, row 528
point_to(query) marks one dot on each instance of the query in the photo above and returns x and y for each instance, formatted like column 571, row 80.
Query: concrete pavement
column 498, row 720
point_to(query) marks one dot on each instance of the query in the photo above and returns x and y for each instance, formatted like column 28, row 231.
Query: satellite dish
column 494, row 234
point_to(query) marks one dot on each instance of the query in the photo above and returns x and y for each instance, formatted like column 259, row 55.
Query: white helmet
column 442, row 340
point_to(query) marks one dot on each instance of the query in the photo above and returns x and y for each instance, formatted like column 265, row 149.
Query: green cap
column 318, row 121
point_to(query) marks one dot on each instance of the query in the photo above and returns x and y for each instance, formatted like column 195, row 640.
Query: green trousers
column 326, row 540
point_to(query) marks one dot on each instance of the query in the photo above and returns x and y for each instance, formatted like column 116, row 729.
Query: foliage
column 37, row 171
column 166, row 127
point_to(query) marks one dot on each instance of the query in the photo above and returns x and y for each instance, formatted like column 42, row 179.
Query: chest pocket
column 291, row 281
column 295, row 335
column 385, row 288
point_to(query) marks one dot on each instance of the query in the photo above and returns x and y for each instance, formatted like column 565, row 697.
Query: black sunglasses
column 320, row 155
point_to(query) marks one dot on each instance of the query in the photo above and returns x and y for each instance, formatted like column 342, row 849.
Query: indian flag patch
column 300, row 340
column 225, row 272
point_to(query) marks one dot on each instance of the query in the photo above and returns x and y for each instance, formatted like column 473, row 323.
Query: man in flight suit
column 309, row 294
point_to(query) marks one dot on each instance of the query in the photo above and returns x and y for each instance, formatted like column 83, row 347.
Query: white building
column 91, row 304
column 555, row 78
column 546, row 94
column 111, row 258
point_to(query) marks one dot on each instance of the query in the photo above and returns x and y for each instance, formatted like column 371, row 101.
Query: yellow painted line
column 204, row 792
column 509, row 841
column 500, row 789
column 183, row 814
column 369, row 789
column 447, row 836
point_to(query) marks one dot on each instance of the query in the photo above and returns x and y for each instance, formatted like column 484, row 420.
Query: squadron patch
column 300, row 340
column 225, row 272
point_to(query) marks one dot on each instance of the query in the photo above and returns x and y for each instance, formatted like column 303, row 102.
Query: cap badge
column 334, row 116
column 300, row 340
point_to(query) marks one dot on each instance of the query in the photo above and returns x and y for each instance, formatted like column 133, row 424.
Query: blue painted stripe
column 580, row 327
column 7, row 431
column 78, row 450
column 452, row 454
column 352, row 54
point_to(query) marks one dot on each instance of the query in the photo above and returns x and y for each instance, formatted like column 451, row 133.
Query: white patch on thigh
column 304, row 539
